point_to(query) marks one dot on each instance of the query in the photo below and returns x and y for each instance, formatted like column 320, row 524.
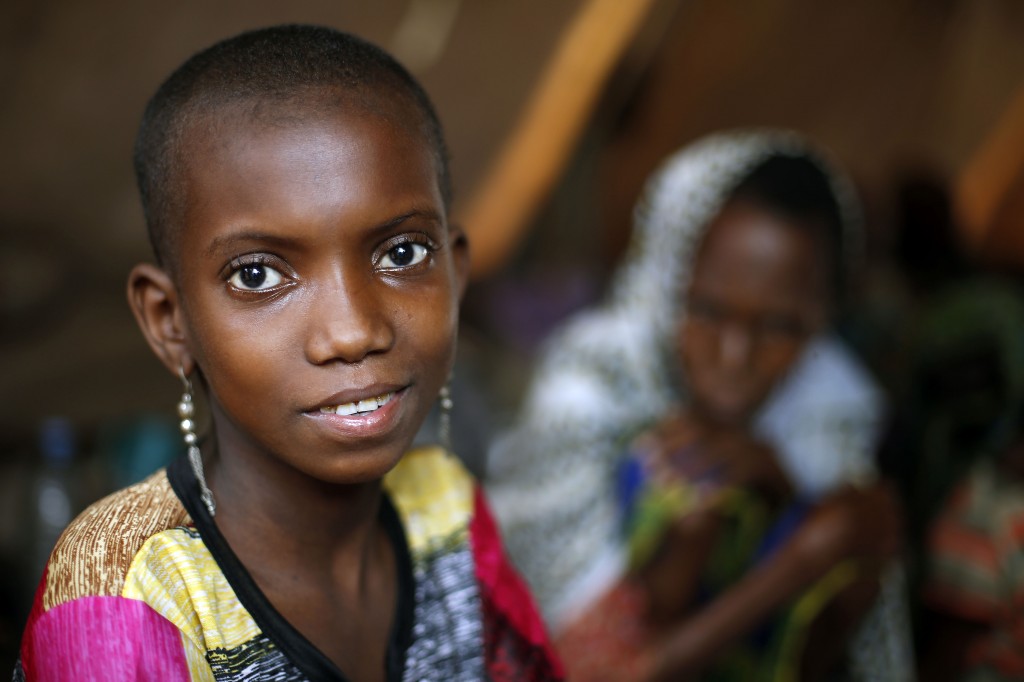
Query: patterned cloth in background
column 976, row 568
column 142, row 586
column 611, row 641
column 611, row 372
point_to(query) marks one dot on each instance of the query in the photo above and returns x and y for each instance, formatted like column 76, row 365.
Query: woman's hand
column 851, row 523
column 682, row 447
column 750, row 464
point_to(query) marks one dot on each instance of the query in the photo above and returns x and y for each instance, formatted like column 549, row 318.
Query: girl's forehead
column 332, row 111
column 348, row 169
column 237, row 123
column 750, row 246
column 748, row 229
column 252, row 139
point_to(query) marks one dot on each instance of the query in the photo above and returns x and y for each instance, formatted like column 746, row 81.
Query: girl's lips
column 361, row 406
column 362, row 418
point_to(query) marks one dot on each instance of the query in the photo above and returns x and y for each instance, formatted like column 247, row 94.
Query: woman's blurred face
column 757, row 295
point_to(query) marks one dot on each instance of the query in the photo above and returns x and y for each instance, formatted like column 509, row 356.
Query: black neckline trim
column 299, row 650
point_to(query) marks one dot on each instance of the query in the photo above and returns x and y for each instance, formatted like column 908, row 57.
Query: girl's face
column 318, row 285
column 758, row 293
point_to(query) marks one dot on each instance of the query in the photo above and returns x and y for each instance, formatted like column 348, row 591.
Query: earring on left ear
column 444, row 424
column 186, row 410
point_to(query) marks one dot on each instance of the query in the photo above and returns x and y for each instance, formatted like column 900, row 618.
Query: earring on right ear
column 186, row 411
column 444, row 424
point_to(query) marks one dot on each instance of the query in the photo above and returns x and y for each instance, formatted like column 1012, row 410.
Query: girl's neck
column 276, row 516
column 319, row 553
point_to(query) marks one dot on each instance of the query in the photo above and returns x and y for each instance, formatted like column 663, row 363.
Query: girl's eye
column 782, row 326
column 403, row 255
column 255, row 277
column 705, row 311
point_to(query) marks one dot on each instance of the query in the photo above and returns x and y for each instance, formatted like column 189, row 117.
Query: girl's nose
column 736, row 343
column 348, row 322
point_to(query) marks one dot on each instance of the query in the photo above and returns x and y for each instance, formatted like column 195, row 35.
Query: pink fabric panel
column 502, row 583
column 103, row 638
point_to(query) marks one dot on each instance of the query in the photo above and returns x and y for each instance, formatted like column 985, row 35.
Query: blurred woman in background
column 680, row 488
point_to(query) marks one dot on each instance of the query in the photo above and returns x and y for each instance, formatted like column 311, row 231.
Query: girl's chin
column 359, row 470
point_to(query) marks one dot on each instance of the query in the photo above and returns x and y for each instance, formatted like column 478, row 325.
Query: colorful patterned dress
column 142, row 586
column 976, row 569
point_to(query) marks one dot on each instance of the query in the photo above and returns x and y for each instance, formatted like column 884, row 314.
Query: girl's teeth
column 368, row 405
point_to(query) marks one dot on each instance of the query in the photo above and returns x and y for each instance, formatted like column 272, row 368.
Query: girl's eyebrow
column 221, row 243
column 425, row 213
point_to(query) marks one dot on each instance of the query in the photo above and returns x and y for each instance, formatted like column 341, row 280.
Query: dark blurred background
column 904, row 92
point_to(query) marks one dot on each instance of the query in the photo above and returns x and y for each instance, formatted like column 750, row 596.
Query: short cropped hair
column 290, row 66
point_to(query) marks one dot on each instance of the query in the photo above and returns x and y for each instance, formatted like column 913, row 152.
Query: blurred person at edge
column 967, row 442
column 691, row 487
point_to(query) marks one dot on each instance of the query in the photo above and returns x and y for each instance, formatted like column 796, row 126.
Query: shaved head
column 274, row 76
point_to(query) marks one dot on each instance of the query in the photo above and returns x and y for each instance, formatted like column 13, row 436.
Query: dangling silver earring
column 186, row 410
column 444, row 424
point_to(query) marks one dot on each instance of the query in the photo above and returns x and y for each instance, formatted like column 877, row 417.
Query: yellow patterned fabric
column 434, row 495
column 176, row 575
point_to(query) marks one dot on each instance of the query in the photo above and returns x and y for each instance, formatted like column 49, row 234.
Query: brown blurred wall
column 883, row 83
column 75, row 77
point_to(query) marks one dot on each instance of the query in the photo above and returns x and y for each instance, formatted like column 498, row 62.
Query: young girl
column 296, row 189
column 712, row 365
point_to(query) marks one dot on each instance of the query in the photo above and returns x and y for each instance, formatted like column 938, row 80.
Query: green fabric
column 746, row 520
column 968, row 388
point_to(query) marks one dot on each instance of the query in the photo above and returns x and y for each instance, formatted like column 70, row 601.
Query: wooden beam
column 535, row 154
column 989, row 191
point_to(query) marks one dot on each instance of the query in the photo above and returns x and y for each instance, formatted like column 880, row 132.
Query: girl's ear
column 154, row 300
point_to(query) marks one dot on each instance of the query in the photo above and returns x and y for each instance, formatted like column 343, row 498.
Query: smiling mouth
column 362, row 407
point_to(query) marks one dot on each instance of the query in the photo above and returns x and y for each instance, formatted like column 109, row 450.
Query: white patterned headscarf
column 610, row 372
column 681, row 199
